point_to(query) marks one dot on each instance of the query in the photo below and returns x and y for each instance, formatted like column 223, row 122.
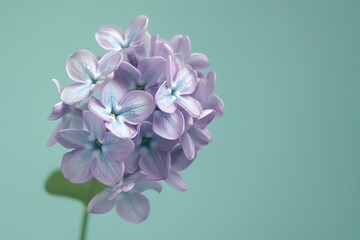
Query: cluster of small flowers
column 147, row 124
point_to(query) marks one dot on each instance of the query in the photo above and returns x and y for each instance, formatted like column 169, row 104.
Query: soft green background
column 284, row 162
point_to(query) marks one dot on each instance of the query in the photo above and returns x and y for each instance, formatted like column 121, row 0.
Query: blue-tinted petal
column 128, row 76
column 100, row 203
column 118, row 149
column 168, row 125
column 73, row 138
column 121, row 129
column 101, row 111
column 82, row 66
column 112, row 94
column 190, row 104
column 185, row 81
column 155, row 163
column 76, row 93
column 164, row 100
column 94, row 124
column 76, row 165
column 151, row 68
column 109, row 63
column 136, row 29
column 110, row 37
column 133, row 207
column 136, row 106
column 106, row 170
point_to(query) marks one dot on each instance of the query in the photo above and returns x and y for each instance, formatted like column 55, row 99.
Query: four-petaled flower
column 88, row 73
column 176, row 90
column 131, row 205
column 122, row 111
column 97, row 153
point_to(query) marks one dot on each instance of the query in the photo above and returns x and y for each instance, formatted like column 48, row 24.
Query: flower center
column 98, row 144
column 145, row 141
column 112, row 115
column 140, row 87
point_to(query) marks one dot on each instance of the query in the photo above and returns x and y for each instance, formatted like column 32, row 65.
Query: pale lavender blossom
column 88, row 73
column 176, row 90
column 113, row 38
column 97, row 153
column 122, row 111
column 131, row 204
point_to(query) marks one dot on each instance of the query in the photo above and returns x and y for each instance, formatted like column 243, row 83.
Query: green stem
column 84, row 224
column 85, row 218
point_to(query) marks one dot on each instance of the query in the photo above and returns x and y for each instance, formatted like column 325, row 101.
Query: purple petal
column 155, row 163
column 112, row 94
column 136, row 29
column 133, row 207
column 185, row 81
column 151, row 68
column 164, row 100
column 100, row 203
column 146, row 130
column 198, row 61
column 168, row 125
column 76, row 93
column 121, row 129
column 171, row 69
column 52, row 140
column 128, row 75
column 76, row 165
column 205, row 118
column 118, row 149
column 211, row 81
column 188, row 146
column 181, row 44
column 110, row 37
column 94, row 124
column 106, row 170
column 109, row 63
column 136, row 106
column 73, row 138
column 176, row 181
column 178, row 160
column 96, row 107
column 82, row 66
column 200, row 137
column 190, row 104
column 163, row 144
column 132, row 162
column 162, row 49
column 146, row 185
column 146, row 47
column 202, row 91
column 58, row 111
column 214, row 102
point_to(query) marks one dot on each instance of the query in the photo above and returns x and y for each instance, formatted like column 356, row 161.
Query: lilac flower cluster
column 145, row 124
